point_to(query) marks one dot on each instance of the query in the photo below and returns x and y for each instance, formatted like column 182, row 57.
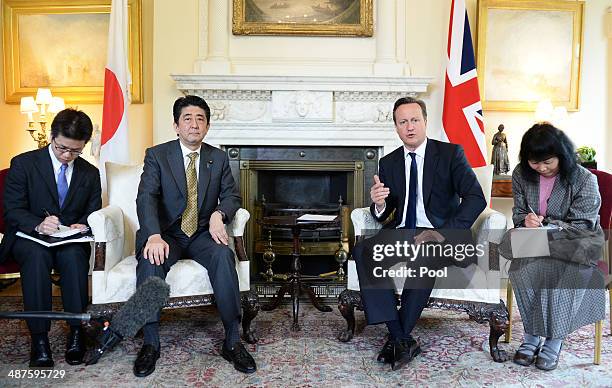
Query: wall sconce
column 43, row 104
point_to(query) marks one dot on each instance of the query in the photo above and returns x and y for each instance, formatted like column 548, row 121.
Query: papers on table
column 316, row 217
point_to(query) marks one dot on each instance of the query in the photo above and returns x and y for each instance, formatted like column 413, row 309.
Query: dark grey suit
column 161, row 200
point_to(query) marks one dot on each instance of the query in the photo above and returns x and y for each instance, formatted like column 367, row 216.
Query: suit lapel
column 45, row 168
column 177, row 167
column 429, row 167
column 204, row 178
column 399, row 176
column 75, row 181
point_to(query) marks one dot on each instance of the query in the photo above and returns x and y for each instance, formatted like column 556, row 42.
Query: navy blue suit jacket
column 447, row 178
column 30, row 187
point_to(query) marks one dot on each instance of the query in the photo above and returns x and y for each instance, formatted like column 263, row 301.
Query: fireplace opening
column 287, row 180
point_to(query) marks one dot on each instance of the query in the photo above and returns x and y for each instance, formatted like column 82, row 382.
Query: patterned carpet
column 454, row 353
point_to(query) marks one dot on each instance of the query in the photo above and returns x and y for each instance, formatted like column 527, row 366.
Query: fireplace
column 299, row 180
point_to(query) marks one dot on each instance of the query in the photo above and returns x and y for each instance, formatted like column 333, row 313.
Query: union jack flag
column 462, row 113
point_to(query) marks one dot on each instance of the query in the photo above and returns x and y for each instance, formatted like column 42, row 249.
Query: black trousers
column 379, row 296
column 36, row 262
column 219, row 261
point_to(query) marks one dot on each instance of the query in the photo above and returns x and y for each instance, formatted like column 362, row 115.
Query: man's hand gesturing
column 378, row 193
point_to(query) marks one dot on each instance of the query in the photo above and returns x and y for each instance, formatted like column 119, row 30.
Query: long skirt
column 556, row 297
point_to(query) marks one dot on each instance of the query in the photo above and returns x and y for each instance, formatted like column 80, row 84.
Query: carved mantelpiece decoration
column 302, row 110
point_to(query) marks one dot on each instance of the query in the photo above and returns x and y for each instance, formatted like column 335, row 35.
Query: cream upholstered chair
column 481, row 300
column 114, row 274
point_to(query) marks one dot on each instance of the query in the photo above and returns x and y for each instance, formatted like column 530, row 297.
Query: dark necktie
column 62, row 184
column 412, row 194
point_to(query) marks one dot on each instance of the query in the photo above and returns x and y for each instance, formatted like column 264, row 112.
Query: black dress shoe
column 386, row 353
column 40, row 354
column 239, row 356
column 403, row 352
column 145, row 361
column 75, row 347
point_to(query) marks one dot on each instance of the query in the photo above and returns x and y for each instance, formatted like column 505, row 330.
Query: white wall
column 181, row 39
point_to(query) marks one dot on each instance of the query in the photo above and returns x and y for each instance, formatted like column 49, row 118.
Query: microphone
column 210, row 162
column 53, row 315
column 146, row 302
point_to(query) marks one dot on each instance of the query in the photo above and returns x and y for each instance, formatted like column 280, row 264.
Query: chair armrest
column 364, row 221
column 236, row 230
column 107, row 227
column 489, row 226
column 236, row 227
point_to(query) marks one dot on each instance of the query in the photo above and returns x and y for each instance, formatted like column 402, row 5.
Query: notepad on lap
column 65, row 231
column 529, row 242
column 49, row 241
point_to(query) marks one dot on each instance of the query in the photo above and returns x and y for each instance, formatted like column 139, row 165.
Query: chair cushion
column 122, row 187
column 186, row 278
column 484, row 175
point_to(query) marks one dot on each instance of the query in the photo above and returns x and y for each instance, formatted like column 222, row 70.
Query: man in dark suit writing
column 422, row 186
column 185, row 197
column 46, row 188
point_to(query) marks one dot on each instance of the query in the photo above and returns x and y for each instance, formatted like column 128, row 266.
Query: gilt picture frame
column 62, row 45
column 515, row 71
column 303, row 17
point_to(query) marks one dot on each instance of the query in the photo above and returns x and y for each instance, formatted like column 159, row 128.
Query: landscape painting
column 303, row 17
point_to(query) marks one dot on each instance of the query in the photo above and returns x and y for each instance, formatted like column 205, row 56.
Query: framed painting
column 62, row 45
column 528, row 51
column 302, row 17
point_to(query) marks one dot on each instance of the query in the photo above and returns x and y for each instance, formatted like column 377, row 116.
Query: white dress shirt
column 421, row 217
column 186, row 151
column 57, row 166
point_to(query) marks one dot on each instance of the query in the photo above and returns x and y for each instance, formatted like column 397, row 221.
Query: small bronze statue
column 499, row 157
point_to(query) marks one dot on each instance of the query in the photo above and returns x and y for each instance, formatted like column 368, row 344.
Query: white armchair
column 114, row 273
column 481, row 300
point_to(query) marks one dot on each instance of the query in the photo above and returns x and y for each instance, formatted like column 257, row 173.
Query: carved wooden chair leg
column 347, row 302
column 498, row 322
column 250, row 308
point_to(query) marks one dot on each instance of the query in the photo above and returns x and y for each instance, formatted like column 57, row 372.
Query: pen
column 534, row 213
column 49, row 215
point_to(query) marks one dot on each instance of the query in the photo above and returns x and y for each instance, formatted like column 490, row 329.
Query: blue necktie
column 62, row 184
column 412, row 194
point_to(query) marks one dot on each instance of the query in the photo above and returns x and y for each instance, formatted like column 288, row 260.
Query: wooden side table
column 294, row 285
column 502, row 186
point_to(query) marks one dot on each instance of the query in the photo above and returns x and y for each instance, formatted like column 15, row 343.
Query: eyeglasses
column 62, row 150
